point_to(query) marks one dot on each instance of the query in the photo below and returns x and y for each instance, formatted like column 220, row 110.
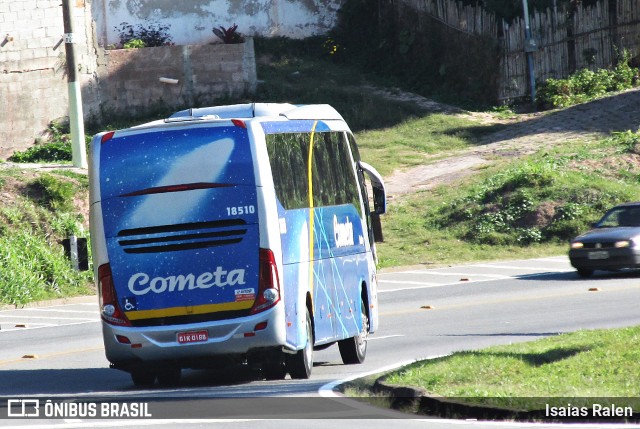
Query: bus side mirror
column 379, row 201
column 376, row 226
column 377, row 183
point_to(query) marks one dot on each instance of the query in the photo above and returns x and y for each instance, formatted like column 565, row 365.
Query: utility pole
column 529, row 48
column 76, row 118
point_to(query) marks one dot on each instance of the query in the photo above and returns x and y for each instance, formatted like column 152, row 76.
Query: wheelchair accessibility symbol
column 129, row 304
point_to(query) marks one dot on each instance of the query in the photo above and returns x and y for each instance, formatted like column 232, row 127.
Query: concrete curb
column 419, row 401
column 51, row 303
column 422, row 402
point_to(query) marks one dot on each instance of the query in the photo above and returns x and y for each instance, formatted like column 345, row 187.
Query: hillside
column 521, row 134
column 39, row 207
column 462, row 185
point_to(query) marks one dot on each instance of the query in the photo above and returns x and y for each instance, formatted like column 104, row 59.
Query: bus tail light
column 109, row 308
column 239, row 123
column 268, row 283
column 108, row 136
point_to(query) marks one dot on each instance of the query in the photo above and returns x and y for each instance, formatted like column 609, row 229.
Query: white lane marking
column 384, row 337
column 20, row 316
column 564, row 259
column 28, row 328
column 400, row 289
column 444, row 273
column 59, row 310
column 409, row 282
column 512, row 267
column 455, row 283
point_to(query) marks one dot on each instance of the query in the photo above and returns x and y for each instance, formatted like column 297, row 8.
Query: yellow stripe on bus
column 188, row 311
column 311, row 212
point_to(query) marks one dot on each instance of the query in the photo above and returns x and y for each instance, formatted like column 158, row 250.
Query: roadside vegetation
column 528, row 207
column 586, row 85
column 524, row 208
column 37, row 210
column 527, row 376
column 56, row 147
column 291, row 69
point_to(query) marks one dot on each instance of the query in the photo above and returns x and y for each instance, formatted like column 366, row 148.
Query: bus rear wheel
column 143, row 377
column 274, row 369
column 169, row 377
column 301, row 364
column 353, row 350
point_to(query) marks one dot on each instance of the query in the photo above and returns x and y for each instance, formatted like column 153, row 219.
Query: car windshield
column 620, row 216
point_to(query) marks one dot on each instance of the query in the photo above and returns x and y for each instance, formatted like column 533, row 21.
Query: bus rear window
column 165, row 160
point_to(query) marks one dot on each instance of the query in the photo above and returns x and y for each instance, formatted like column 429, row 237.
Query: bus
column 241, row 234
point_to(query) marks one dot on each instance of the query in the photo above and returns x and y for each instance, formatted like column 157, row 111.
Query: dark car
column 612, row 244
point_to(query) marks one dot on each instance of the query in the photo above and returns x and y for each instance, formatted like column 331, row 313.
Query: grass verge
column 525, row 208
column 37, row 211
column 527, row 376
column 528, row 207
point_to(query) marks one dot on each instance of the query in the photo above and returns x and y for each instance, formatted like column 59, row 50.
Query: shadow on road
column 573, row 276
column 101, row 380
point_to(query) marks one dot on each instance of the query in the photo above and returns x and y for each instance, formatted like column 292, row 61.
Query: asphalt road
column 56, row 351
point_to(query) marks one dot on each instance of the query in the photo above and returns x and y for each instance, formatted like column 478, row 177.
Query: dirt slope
column 521, row 135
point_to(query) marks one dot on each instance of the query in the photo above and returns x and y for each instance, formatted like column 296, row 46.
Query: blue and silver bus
column 234, row 234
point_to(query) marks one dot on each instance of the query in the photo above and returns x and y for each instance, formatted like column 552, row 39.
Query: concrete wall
column 192, row 21
column 33, row 81
column 33, row 85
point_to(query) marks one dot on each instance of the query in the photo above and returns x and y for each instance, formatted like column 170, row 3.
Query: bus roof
column 256, row 110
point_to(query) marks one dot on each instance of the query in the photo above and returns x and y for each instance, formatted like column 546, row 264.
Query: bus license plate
column 601, row 254
column 193, row 337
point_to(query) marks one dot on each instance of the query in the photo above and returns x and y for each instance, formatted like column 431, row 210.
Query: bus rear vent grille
column 185, row 236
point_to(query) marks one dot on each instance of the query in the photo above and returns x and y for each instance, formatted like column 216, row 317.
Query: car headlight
column 622, row 243
column 577, row 245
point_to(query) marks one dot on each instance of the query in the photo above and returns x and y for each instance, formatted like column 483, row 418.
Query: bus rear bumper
column 184, row 344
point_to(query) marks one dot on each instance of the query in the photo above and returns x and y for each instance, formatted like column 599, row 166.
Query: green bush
column 134, row 44
column 31, row 269
column 565, row 229
column 49, row 152
column 32, row 262
column 54, row 193
column 537, row 200
column 56, row 150
column 586, row 85
column 627, row 141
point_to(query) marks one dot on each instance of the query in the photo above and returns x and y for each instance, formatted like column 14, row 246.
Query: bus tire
column 274, row 369
column 301, row 363
column 169, row 377
column 353, row 350
column 143, row 377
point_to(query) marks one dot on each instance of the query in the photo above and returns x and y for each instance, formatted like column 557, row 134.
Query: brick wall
column 130, row 78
